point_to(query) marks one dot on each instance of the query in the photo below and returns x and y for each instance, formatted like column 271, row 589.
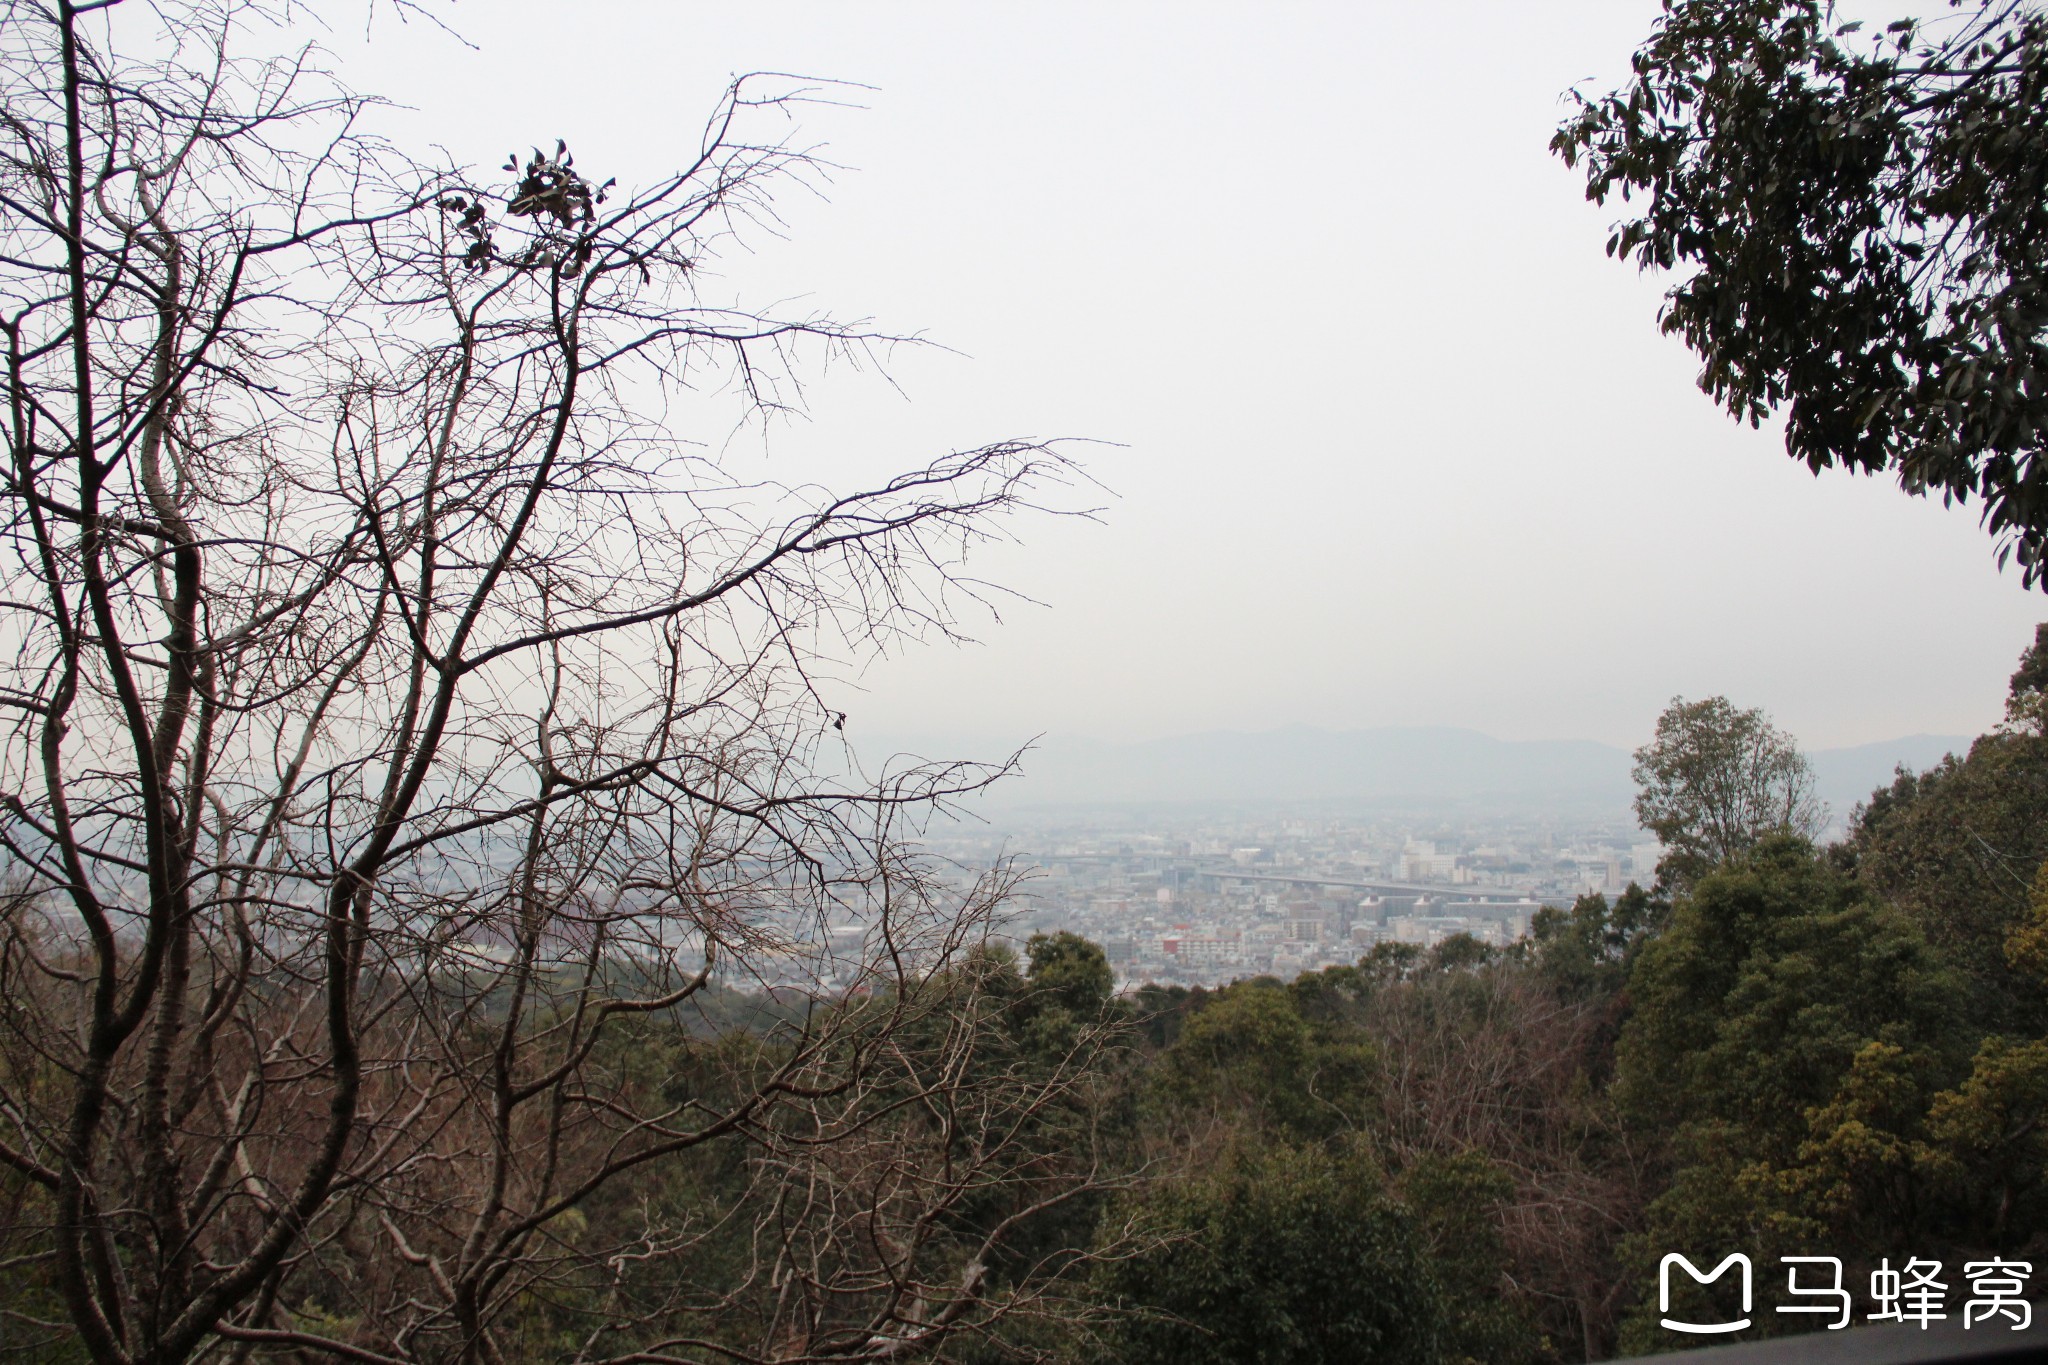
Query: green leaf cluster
column 1277, row 1256
column 1859, row 230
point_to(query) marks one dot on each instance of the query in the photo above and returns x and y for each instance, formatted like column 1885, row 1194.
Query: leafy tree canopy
column 1858, row 216
column 1249, row 1054
column 1284, row 1257
column 1714, row 781
column 1769, row 979
column 1071, row 970
column 1958, row 847
column 1586, row 952
column 1789, row 1034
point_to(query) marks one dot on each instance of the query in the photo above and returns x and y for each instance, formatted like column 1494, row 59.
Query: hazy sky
column 1394, row 442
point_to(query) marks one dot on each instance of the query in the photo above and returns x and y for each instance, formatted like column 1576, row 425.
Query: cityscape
column 1208, row 897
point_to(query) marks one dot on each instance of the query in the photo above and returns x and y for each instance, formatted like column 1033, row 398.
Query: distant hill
column 1844, row 777
column 1424, row 766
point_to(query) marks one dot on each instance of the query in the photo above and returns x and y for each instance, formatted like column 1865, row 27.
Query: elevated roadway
column 1381, row 886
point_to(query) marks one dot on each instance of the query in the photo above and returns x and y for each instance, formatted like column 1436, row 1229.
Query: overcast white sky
column 1397, row 444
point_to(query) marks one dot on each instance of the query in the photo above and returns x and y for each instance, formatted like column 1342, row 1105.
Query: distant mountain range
column 1847, row 776
column 1422, row 766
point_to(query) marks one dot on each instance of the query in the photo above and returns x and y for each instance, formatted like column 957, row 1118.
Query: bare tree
column 403, row 717
column 1492, row 1061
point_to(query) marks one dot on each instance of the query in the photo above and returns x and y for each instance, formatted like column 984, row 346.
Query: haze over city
column 1384, row 439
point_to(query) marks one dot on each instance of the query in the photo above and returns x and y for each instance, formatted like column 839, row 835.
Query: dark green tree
column 1249, row 1059
column 2029, row 684
column 1789, row 1034
column 1958, row 848
column 1860, row 229
column 1456, row 1201
column 1586, row 952
column 1282, row 1257
column 1072, row 987
column 1769, row 979
column 1459, row 952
